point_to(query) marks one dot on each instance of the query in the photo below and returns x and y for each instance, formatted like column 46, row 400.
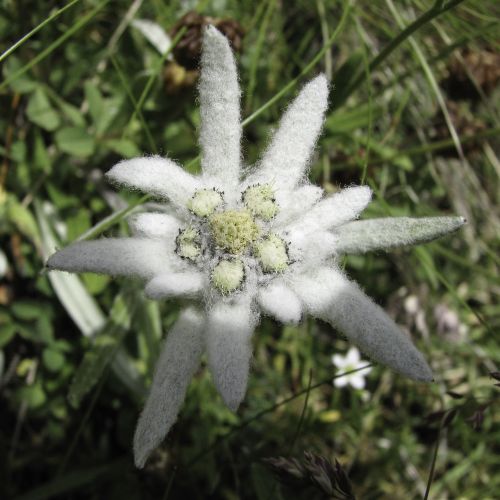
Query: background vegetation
column 414, row 117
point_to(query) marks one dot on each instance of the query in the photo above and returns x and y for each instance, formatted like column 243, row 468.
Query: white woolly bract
column 158, row 176
column 310, row 249
column 282, row 269
column 335, row 209
column 294, row 203
column 285, row 161
column 280, row 302
column 179, row 359
column 135, row 257
column 154, row 225
column 164, row 286
column 229, row 349
column 327, row 294
column 220, row 131
column 377, row 234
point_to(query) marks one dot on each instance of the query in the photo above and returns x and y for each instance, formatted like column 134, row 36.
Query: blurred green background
column 413, row 113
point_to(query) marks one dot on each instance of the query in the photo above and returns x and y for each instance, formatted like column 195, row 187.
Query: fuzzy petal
column 154, row 225
column 279, row 301
column 310, row 249
column 378, row 234
column 179, row 359
column 335, row 210
column 158, row 176
column 292, row 204
column 220, row 132
column 229, row 349
column 286, row 159
column 330, row 296
column 187, row 284
column 135, row 257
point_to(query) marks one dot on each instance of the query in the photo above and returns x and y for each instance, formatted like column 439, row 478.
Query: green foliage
column 102, row 352
column 75, row 141
column 40, row 111
column 412, row 114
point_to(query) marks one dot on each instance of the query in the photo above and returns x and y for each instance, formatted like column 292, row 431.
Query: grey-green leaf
column 381, row 234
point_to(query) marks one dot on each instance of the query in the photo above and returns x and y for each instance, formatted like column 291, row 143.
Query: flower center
column 272, row 254
column 188, row 244
column 228, row 275
column 204, row 202
column 259, row 199
column 233, row 230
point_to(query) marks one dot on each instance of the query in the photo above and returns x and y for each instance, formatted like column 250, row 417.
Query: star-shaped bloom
column 242, row 242
column 351, row 361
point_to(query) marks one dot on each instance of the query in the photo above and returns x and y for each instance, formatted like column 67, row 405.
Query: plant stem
column 67, row 34
column 292, row 83
column 436, row 10
column 36, row 29
column 270, row 409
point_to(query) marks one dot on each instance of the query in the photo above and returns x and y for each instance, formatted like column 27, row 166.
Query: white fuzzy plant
column 267, row 242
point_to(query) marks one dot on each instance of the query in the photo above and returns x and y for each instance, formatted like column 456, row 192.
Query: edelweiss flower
column 351, row 361
column 265, row 242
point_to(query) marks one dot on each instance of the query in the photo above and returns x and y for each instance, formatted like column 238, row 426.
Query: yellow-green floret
column 259, row 199
column 233, row 230
column 204, row 202
column 188, row 244
column 228, row 275
column 272, row 254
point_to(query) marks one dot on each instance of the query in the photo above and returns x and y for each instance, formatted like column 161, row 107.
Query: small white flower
column 241, row 245
column 351, row 361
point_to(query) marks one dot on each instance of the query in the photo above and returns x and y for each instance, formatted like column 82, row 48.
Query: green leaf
column 346, row 121
column 44, row 328
column 72, row 113
column 351, row 69
column 53, row 359
column 41, row 158
column 102, row 352
column 78, row 224
column 427, row 264
column 75, row 141
column 61, row 199
column 22, row 219
column 33, row 395
column 391, row 155
column 95, row 283
column 6, row 333
column 23, row 84
column 18, row 151
column 27, row 310
column 95, row 101
column 123, row 147
column 41, row 112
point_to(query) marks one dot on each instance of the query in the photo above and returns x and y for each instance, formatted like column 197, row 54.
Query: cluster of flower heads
column 241, row 245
